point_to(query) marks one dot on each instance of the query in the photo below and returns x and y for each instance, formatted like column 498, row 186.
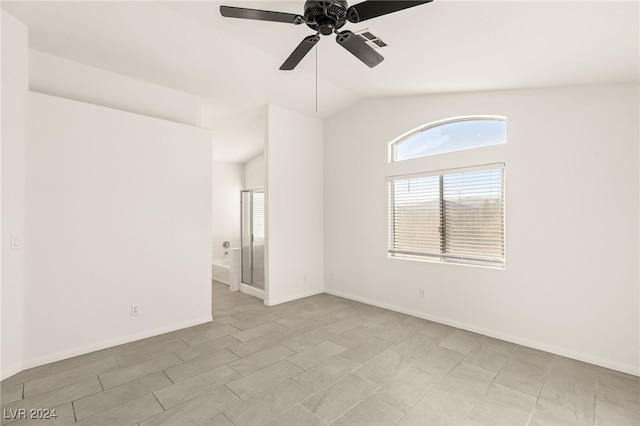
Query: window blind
column 258, row 214
column 452, row 215
column 415, row 212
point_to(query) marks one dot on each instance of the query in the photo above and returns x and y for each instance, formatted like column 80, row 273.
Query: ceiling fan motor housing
column 325, row 16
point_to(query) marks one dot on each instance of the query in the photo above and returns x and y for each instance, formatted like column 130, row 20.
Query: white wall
column 228, row 181
column 57, row 76
column 571, row 282
column 14, row 92
column 294, row 213
column 254, row 173
column 118, row 213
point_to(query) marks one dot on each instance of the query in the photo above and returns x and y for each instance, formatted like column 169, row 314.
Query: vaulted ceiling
column 232, row 64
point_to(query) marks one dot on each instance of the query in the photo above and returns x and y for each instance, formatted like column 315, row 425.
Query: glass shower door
column 252, row 236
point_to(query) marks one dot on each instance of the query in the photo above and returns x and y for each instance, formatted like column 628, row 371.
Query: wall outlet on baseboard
column 135, row 310
column 423, row 293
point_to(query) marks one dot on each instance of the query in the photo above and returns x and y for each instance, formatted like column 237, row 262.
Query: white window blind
column 453, row 215
column 258, row 214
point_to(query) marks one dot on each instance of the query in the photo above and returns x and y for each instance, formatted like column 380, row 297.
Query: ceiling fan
column 327, row 17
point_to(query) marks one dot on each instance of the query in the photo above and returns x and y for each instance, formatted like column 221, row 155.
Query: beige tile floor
column 317, row 361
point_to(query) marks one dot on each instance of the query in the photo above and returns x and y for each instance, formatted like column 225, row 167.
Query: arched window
column 449, row 135
column 455, row 215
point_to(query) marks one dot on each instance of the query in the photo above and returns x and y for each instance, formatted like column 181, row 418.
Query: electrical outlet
column 423, row 293
column 304, row 278
column 16, row 243
column 135, row 311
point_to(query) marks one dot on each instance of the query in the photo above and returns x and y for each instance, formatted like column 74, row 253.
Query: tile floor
column 317, row 361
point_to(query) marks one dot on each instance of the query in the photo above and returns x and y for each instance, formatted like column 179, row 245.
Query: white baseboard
column 10, row 371
column 272, row 302
column 590, row 359
column 35, row 362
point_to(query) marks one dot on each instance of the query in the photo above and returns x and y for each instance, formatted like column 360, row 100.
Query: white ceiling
column 232, row 64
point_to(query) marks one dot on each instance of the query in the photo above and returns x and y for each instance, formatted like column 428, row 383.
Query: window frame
column 391, row 155
column 442, row 257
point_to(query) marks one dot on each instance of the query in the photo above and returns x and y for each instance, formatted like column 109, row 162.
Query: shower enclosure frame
column 248, row 240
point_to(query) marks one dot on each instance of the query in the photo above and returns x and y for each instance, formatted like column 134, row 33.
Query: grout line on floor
column 167, row 376
column 161, row 406
column 225, row 416
column 73, row 407
column 188, row 345
column 309, row 411
column 241, row 399
column 354, row 405
column 177, row 356
column 100, row 381
column 533, row 409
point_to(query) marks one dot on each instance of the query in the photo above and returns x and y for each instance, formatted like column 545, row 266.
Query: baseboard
column 251, row 291
column 272, row 302
column 12, row 370
column 36, row 362
column 579, row 356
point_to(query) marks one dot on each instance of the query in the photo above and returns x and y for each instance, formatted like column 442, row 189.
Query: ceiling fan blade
column 374, row 8
column 260, row 15
column 359, row 48
column 300, row 52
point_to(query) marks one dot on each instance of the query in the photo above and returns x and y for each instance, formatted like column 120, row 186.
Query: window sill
column 448, row 262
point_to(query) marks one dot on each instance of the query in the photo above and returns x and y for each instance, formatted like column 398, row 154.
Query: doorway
column 252, row 238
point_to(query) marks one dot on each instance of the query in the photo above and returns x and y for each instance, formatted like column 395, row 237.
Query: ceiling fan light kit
column 326, row 17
